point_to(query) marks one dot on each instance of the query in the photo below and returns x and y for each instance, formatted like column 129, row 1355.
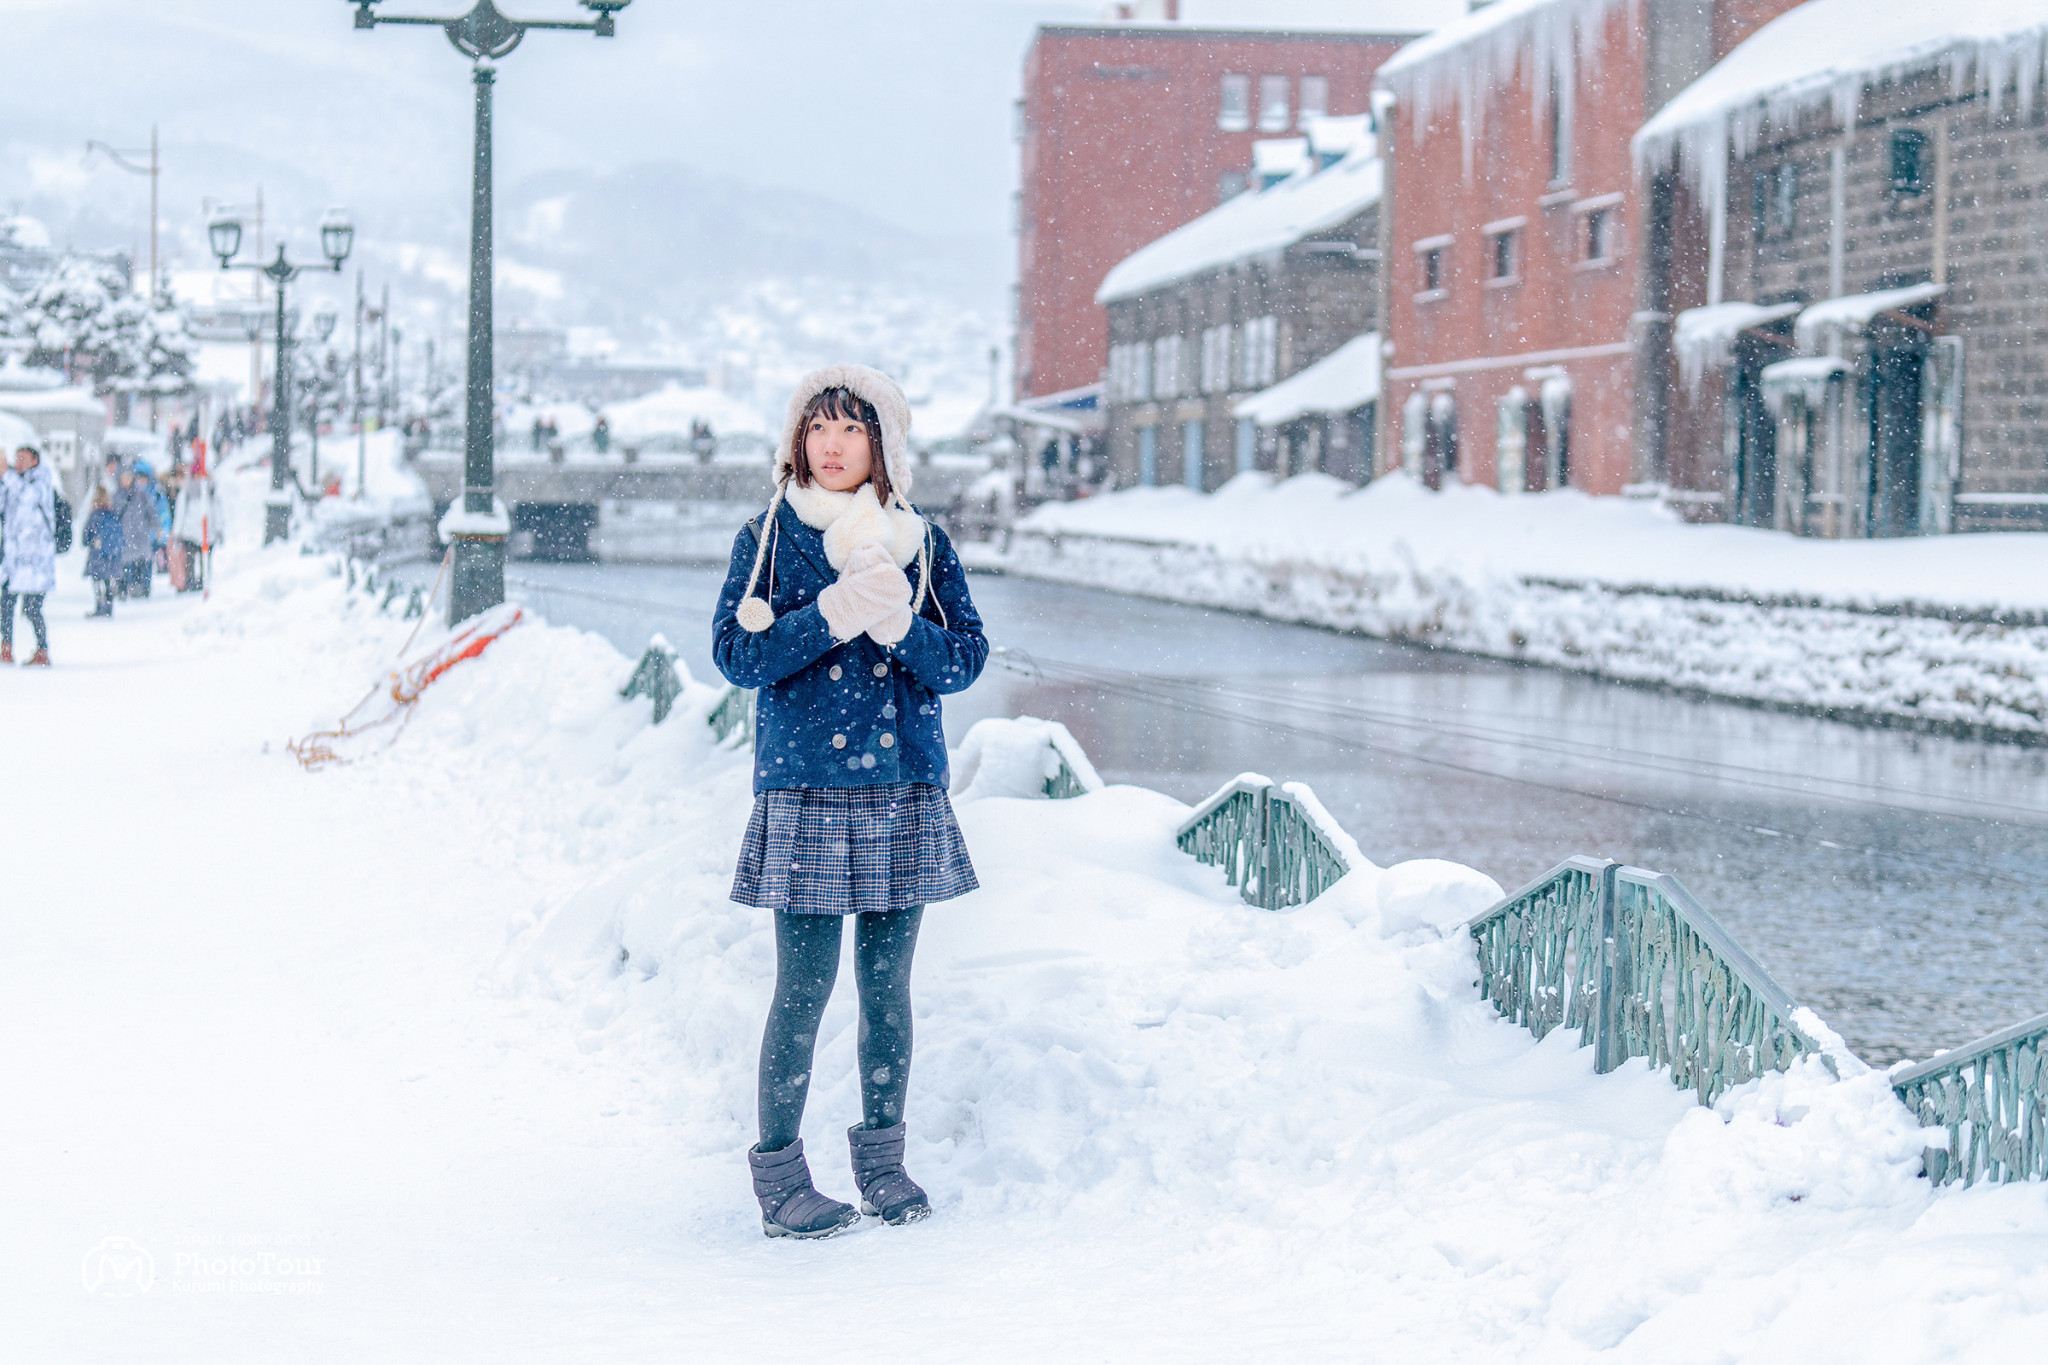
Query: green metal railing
column 1991, row 1098
column 1641, row 969
column 654, row 677
column 734, row 715
column 1269, row 841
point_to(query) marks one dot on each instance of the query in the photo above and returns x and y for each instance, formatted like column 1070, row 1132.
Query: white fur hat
column 890, row 406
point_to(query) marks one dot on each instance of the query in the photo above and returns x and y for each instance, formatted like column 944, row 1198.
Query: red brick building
column 1512, row 276
column 1130, row 130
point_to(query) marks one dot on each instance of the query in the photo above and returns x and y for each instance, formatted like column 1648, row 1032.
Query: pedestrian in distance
column 137, row 510
column 103, row 540
column 851, row 615
column 601, row 436
column 28, row 550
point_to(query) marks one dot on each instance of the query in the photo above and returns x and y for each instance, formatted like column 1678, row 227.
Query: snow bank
column 1950, row 631
column 1154, row 1121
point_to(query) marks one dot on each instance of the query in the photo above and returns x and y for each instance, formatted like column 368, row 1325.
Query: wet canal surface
column 1896, row 883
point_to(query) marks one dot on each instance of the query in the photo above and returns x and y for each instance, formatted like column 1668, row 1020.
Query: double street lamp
column 478, row 533
column 337, row 239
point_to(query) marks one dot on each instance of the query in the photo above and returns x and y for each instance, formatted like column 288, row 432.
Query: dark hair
column 841, row 404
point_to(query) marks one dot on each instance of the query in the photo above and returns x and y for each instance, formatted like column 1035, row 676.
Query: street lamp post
column 478, row 533
column 154, row 171
column 323, row 327
column 337, row 239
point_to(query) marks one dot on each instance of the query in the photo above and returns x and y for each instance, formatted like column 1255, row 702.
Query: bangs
column 844, row 405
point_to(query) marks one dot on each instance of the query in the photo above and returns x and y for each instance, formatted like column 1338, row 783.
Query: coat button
column 834, row 675
column 839, row 741
column 888, row 741
column 881, row 670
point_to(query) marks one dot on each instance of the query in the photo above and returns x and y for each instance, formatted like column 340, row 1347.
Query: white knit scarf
column 848, row 520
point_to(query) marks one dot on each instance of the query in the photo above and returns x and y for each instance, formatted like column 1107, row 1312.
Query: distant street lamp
column 479, row 533
column 337, row 239
column 154, row 170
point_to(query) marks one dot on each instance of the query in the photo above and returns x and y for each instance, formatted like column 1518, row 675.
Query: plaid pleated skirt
column 846, row 850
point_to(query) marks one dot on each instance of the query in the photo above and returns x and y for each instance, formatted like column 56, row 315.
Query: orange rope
column 405, row 687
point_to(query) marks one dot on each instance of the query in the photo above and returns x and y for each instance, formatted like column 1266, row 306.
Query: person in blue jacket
column 104, row 542
column 850, row 613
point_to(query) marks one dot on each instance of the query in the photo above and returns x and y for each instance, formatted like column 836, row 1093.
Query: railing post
column 1604, row 1029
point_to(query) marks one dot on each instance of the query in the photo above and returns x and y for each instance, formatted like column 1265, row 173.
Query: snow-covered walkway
column 466, row 1032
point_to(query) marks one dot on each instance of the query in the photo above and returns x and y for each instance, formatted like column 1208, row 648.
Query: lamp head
column 606, row 27
column 365, row 16
column 337, row 236
column 323, row 325
column 224, row 234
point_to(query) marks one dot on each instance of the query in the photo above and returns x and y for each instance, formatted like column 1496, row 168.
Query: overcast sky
column 899, row 107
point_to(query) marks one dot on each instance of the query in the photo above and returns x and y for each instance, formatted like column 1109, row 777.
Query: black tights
column 806, row 963
column 32, row 608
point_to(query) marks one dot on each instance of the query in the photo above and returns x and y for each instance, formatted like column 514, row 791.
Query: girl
column 103, row 544
column 850, row 612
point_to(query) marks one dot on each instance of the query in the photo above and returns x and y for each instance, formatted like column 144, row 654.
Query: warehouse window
column 1433, row 270
column 1236, row 114
column 1315, row 99
column 1909, row 156
column 1504, row 254
column 1273, row 110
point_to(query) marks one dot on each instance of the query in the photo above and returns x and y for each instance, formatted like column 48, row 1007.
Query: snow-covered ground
column 1949, row 630
column 462, row 1036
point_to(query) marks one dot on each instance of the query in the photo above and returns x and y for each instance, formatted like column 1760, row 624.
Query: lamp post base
column 277, row 522
column 478, row 581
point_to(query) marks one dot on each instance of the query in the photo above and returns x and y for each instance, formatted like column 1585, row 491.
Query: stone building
column 1860, row 247
column 1130, row 128
column 1245, row 298
column 1512, row 272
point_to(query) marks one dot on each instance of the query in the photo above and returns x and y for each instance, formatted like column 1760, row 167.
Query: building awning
column 1347, row 378
column 1051, row 420
column 1705, row 337
column 1856, row 311
column 1805, row 375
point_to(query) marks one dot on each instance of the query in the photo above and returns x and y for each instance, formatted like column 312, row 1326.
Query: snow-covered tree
column 87, row 321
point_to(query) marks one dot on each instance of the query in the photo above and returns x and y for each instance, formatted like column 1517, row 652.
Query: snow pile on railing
column 1948, row 631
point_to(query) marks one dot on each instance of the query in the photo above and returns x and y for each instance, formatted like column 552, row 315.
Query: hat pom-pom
column 756, row 615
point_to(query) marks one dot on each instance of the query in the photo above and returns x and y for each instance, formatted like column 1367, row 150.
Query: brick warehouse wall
column 1121, row 144
column 1995, row 266
column 1321, row 300
column 1476, row 337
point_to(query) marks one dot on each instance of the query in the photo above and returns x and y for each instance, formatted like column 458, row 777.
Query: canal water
column 1896, row 883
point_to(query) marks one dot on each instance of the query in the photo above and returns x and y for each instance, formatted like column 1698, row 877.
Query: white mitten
column 892, row 628
column 870, row 588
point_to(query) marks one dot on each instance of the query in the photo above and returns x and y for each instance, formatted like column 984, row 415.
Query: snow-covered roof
column 670, row 410
column 1332, row 137
column 1545, row 42
column 1347, row 378
column 1276, row 158
column 1820, row 55
column 79, row 400
column 14, row 434
column 1250, row 225
column 1704, row 337
column 16, row 377
column 1856, row 310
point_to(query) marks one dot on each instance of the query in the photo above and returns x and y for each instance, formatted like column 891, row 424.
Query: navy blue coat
column 844, row 715
column 103, row 542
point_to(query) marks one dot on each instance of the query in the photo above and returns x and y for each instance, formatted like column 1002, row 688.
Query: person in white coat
column 28, row 550
column 195, row 521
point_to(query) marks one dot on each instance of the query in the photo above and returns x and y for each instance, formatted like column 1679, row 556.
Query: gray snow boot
column 789, row 1206
column 885, row 1190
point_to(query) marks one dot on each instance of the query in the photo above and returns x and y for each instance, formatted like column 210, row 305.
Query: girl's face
column 840, row 453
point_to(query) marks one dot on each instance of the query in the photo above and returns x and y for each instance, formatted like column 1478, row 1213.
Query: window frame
column 1240, row 121
column 1302, row 112
column 1268, row 117
column 1915, row 185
